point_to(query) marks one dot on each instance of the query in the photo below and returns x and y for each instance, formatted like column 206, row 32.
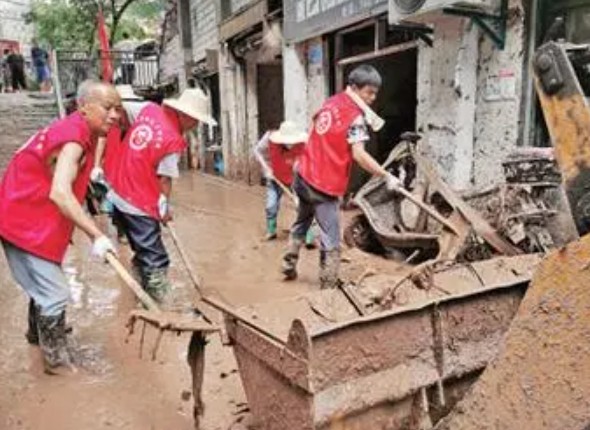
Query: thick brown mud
column 221, row 227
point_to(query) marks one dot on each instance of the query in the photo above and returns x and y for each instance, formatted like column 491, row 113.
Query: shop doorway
column 396, row 103
column 270, row 96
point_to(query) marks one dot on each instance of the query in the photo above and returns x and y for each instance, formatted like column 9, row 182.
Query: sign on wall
column 304, row 19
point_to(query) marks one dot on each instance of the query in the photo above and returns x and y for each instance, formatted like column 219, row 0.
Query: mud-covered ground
column 221, row 225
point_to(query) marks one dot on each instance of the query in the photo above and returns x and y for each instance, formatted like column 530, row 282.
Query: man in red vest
column 277, row 152
column 40, row 203
column 338, row 136
column 140, row 175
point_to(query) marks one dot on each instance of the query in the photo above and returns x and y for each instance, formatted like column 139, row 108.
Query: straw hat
column 126, row 92
column 194, row 103
column 288, row 134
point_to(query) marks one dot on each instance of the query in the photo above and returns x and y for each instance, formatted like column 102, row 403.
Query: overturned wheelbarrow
column 402, row 369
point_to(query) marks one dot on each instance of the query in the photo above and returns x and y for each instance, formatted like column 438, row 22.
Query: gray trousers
column 43, row 280
column 325, row 209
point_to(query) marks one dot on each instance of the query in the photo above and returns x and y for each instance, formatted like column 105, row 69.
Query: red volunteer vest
column 28, row 219
column 282, row 160
column 327, row 158
column 133, row 176
column 111, row 150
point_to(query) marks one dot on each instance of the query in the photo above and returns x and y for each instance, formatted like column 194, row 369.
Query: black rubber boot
column 54, row 344
column 329, row 268
column 32, row 334
column 290, row 259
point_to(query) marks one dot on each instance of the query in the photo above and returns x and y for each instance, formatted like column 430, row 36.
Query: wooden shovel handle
column 143, row 297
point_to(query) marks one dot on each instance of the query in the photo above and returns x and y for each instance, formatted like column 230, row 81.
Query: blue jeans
column 273, row 199
column 42, row 280
column 321, row 207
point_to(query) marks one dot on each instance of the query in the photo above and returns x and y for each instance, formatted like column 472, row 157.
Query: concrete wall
column 205, row 32
column 469, row 99
column 12, row 24
column 446, row 98
column 499, row 116
column 305, row 76
column 172, row 61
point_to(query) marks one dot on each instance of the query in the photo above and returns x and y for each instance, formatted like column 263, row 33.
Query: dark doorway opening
column 396, row 104
column 270, row 96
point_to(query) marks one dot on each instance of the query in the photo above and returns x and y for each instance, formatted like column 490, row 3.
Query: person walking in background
column 41, row 64
column 5, row 79
column 16, row 63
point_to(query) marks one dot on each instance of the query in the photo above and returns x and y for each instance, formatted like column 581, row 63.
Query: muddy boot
column 156, row 284
column 271, row 229
column 32, row 334
column 310, row 239
column 137, row 274
column 54, row 344
column 329, row 267
column 290, row 259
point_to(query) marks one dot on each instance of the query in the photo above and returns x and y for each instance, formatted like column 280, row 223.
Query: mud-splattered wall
column 498, row 116
column 446, row 98
column 469, row 99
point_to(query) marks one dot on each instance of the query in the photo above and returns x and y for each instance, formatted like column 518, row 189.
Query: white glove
column 97, row 174
column 101, row 246
column 163, row 206
column 392, row 182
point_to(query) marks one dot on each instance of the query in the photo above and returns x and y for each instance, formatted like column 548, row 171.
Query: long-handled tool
column 217, row 304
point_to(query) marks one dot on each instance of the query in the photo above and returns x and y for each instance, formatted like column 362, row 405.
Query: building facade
column 15, row 32
column 464, row 85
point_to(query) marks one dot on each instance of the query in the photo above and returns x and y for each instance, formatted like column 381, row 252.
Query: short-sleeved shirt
column 358, row 132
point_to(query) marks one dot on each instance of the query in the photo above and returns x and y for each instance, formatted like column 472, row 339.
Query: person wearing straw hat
column 339, row 132
column 277, row 152
column 141, row 180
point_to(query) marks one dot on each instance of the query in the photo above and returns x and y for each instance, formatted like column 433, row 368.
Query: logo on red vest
column 141, row 137
column 323, row 122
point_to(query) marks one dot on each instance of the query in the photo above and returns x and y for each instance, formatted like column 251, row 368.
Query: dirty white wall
column 305, row 77
column 239, row 114
column 499, row 99
column 12, row 23
column 469, row 99
column 205, row 32
column 446, row 98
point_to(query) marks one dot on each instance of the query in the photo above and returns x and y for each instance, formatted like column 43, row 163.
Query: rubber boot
column 32, row 334
column 271, row 229
column 156, row 284
column 310, row 239
column 290, row 259
column 329, row 268
column 54, row 344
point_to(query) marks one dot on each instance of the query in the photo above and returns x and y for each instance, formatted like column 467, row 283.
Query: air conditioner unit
column 420, row 10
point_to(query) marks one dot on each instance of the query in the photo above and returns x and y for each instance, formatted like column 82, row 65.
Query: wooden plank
column 480, row 225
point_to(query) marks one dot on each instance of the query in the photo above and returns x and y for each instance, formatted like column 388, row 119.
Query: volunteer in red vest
column 339, row 132
column 277, row 152
column 141, row 181
column 107, row 150
column 40, row 203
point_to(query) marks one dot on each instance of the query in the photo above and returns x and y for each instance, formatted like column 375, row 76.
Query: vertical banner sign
column 103, row 43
